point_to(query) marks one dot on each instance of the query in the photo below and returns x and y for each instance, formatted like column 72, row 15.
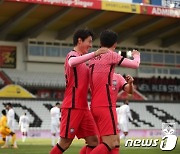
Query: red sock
column 115, row 151
column 101, row 148
column 83, row 150
column 56, row 150
column 89, row 149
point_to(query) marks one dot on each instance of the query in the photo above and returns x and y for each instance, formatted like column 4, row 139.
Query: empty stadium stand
column 45, row 79
column 145, row 115
column 153, row 88
column 36, row 79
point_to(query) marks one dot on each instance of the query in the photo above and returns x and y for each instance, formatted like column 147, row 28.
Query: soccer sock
column 83, row 150
column 7, row 140
column 101, row 148
column 13, row 139
column 86, row 149
column 15, row 143
column 125, row 137
column 2, row 142
column 57, row 149
column 122, row 136
column 115, row 150
column 53, row 138
column 89, row 149
column 59, row 139
column 23, row 138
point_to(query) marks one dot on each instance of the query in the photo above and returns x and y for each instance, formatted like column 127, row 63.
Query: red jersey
column 118, row 83
column 101, row 72
column 77, row 84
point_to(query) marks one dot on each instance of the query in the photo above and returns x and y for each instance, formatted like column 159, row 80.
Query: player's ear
column 115, row 45
column 79, row 40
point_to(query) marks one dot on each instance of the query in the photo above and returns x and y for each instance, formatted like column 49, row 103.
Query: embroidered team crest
column 72, row 130
column 114, row 84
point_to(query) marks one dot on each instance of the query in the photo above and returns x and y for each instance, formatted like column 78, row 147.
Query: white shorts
column 124, row 127
column 55, row 129
column 24, row 128
column 12, row 128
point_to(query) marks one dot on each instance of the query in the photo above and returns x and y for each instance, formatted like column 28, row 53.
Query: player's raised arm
column 73, row 61
column 129, row 88
column 132, row 63
column 109, row 39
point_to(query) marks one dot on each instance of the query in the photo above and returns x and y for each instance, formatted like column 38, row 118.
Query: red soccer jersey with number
column 77, row 83
column 101, row 72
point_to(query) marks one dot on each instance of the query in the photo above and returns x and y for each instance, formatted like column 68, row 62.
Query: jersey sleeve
column 71, row 54
column 80, row 59
column 11, row 114
column 115, row 58
column 131, row 63
column 122, row 82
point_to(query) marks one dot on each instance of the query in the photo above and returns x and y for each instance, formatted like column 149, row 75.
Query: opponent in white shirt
column 10, row 116
column 10, row 121
column 24, row 126
column 123, row 115
column 55, row 122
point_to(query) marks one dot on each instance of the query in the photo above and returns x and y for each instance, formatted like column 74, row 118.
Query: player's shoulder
column 72, row 53
column 51, row 109
column 118, row 76
column 118, row 108
column 11, row 111
column 127, row 106
column 123, row 106
column 4, row 118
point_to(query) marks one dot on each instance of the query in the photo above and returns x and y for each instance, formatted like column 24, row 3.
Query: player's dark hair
column 57, row 103
column 82, row 34
column 9, row 104
column 126, row 101
column 108, row 38
column 3, row 112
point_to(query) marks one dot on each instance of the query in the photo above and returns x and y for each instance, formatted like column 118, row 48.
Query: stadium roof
column 20, row 20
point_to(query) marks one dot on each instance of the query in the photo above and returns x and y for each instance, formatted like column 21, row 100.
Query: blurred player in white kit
column 55, row 122
column 10, row 116
column 10, row 121
column 24, row 126
column 124, row 114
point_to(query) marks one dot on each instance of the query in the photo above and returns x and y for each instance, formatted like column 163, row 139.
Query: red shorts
column 106, row 120
column 77, row 122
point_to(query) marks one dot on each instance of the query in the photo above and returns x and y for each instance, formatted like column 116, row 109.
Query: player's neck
column 112, row 49
column 77, row 49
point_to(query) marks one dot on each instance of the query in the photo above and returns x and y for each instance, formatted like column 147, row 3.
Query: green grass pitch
column 43, row 146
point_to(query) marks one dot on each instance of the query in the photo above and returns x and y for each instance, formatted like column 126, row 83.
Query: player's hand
column 129, row 79
column 101, row 51
column 135, row 52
